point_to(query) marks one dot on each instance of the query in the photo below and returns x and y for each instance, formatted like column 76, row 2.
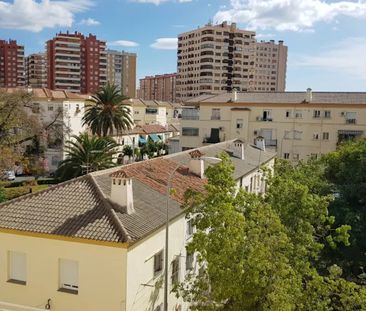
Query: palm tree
column 128, row 151
column 86, row 154
column 106, row 113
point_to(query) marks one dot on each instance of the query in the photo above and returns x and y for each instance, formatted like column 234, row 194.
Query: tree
column 259, row 253
column 87, row 154
column 106, row 114
column 128, row 151
column 346, row 171
column 2, row 194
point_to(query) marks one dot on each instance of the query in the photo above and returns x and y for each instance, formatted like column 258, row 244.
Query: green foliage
column 106, row 114
column 346, row 170
column 86, row 154
column 127, row 151
column 2, row 195
column 259, row 253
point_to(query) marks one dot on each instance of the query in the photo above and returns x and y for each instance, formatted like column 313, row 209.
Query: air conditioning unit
column 221, row 128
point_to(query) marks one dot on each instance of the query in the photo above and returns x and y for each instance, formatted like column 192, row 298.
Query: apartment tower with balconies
column 12, row 73
column 121, row 71
column 36, row 70
column 76, row 63
column 220, row 58
column 159, row 87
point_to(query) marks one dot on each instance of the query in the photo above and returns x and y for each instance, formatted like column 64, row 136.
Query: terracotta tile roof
column 154, row 128
column 40, row 93
column 196, row 154
column 82, row 207
column 121, row 174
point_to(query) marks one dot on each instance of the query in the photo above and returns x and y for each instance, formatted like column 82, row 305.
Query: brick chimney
column 121, row 191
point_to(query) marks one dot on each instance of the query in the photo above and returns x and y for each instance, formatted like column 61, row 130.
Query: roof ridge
column 110, row 212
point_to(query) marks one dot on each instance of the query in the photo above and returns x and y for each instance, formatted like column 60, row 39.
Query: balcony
column 270, row 142
column 350, row 121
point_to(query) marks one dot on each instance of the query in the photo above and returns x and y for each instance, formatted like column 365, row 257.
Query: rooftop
column 91, row 214
column 282, row 98
column 45, row 93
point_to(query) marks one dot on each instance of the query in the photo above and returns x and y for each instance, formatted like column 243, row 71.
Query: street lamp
column 166, row 265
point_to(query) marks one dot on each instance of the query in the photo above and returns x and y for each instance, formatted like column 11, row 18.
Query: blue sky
column 326, row 38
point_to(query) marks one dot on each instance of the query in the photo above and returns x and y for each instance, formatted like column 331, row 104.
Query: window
column 151, row 110
column 239, row 123
column 175, row 270
column 189, row 228
column 286, row 155
column 158, row 262
column 17, row 268
column 215, row 114
column 297, row 135
column 296, row 156
column 189, row 261
column 327, row 114
column 313, row 156
column 267, row 115
column 190, row 131
column 350, row 117
column 69, row 276
column 315, row 136
column 298, row 114
column 288, row 114
column 325, row 136
column 316, row 114
column 50, row 108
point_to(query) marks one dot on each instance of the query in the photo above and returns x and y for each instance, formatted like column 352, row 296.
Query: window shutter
column 18, row 267
column 69, row 274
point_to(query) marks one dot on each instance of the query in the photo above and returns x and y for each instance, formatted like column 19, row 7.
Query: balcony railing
column 271, row 142
column 350, row 121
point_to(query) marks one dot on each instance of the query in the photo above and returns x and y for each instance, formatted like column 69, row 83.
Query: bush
column 2, row 195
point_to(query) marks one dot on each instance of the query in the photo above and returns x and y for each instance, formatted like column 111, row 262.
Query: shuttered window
column 69, row 275
column 17, row 267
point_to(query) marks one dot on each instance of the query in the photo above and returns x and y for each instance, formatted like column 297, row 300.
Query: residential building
column 76, row 63
column 12, row 72
column 97, row 242
column 270, row 66
column 298, row 125
column 217, row 58
column 121, row 71
column 36, row 70
column 61, row 113
column 155, row 112
column 159, row 87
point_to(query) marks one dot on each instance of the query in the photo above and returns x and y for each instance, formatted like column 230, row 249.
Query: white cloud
column 165, row 44
column 34, row 15
column 89, row 22
column 123, row 43
column 157, row 2
column 293, row 15
column 346, row 58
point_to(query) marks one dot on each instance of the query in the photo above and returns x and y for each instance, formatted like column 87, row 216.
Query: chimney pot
column 121, row 191
column 309, row 95
column 260, row 143
column 238, row 149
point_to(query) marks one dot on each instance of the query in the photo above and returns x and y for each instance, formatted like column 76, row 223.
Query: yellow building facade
column 298, row 125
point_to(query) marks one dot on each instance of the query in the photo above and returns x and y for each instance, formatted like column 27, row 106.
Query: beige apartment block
column 298, row 125
column 36, row 70
column 217, row 58
column 121, row 71
column 270, row 66
column 159, row 87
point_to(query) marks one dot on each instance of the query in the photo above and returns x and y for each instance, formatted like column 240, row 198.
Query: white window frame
column 69, row 276
column 17, row 267
column 158, row 261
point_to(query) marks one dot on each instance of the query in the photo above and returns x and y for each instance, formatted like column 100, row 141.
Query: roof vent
column 121, row 191
column 196, row 164
column 238, row 149
column 309, row 95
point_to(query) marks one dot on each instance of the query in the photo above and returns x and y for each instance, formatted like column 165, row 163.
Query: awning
column 350, row 132
column 142, row 140
column 154, row 137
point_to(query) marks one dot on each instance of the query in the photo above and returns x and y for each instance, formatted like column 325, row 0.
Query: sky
column 326, row 38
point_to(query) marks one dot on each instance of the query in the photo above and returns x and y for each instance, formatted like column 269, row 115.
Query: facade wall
column 36, row 70
column 143, row 291
column 292, row 130
column 159, row 87
column 218, row 58
column 102, row 271
column 121, row 71
column 12, row 70
column 76, row 63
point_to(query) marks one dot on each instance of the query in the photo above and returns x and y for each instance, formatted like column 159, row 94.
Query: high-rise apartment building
column 159, row 87
column 121, row 71
column 76, row 63
column 11, row 64
column 270, row 66
column 218, row 58
column 36, row 70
